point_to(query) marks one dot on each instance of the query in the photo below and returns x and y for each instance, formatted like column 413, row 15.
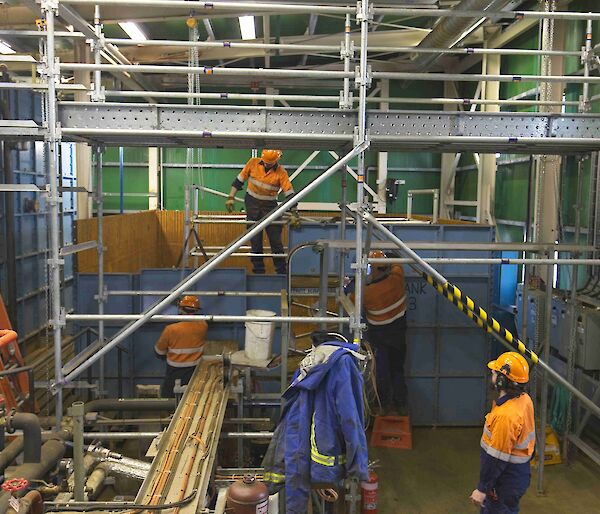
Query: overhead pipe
column 449, row 30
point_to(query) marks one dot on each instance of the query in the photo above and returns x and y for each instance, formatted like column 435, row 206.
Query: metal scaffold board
column 20, row 129
column 244, row 127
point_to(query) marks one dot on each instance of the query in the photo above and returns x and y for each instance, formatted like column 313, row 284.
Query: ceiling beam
column 147, row 54
column 310, row 30
column 69, row 16
column 267, row 38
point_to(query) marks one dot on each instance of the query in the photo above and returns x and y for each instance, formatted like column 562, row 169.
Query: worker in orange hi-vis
column 384, row 303
column 265, row 177
column 182, row 344
column 508, row 439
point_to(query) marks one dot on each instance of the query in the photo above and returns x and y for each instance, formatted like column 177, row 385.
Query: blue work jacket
column 320, row 438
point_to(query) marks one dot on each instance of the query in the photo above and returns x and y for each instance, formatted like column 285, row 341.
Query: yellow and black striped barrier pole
column 474, row 312
column 480, row 316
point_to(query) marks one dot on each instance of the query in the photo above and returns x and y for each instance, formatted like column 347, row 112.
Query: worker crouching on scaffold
column 384, row 306
column 182, row 344
column 508, row 439
column 265, row 177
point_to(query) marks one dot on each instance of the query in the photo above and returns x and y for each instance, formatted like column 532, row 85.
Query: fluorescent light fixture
column 5, row 48
column 247, row 27
column 133, row 31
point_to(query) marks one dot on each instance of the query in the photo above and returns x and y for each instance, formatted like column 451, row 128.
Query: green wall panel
column 512, row 182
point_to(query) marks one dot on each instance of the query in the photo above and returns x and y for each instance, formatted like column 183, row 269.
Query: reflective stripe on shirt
column 263, row 185
column 525, row 443
column 388, row 308
column 259, row 196
column 185, row 351
column 186, row 364
column 387, row 321
column 506, row 457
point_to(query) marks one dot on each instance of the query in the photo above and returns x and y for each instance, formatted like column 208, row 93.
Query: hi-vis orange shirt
column 509, row 430
column 182, row 343
column 264, row 185
column 385, row 300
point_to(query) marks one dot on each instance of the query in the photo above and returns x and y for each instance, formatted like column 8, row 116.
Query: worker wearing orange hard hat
column 508, row 439
column 265, row 177
column 182, row 344
column 384, row 305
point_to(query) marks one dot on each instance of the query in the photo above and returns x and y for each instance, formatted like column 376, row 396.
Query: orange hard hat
column 189, row 302
column 513, row 365
column 378, row 254
column 271, row 156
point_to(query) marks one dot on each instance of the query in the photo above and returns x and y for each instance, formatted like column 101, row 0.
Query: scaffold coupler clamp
column 49, row 5
column 62, row 318
column 53, row 196
column 347, row 51
column 360, row 14
column 358, row 79
column 346, row 103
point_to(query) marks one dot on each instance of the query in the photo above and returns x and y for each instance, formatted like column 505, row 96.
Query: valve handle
column 15, row 484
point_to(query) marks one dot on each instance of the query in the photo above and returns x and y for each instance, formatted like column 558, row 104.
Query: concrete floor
column 440, row 472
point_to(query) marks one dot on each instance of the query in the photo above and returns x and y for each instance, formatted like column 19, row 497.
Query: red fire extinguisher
column 369, row 494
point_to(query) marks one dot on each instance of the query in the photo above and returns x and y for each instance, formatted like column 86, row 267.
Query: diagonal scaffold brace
column 478, row 315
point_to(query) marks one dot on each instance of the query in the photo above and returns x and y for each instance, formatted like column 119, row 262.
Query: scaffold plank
column 318, row 128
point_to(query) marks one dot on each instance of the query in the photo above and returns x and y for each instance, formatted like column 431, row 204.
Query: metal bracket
column 360, row 17
column 347, row 52
column 99, row 43
column 61, row 321
column 346, row 103
column 49, row 5
column 358, row 80
column 52, row 199
column 357, row 140
column 55, row 262
column 103, row 297
column 98, row 97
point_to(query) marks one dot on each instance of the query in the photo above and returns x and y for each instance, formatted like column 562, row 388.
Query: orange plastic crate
column 392, row 432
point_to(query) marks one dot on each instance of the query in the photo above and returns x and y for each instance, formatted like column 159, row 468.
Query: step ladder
column 392, row 432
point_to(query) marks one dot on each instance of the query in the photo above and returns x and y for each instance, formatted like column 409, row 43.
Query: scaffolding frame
column 53, row 133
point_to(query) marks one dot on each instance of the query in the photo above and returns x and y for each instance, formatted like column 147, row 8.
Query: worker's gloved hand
column 229, row 204
column 294, row 218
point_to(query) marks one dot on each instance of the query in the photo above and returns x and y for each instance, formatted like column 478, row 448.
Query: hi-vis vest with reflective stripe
column 509, row 430
column 182, row 343
column 385, row 300
column 265, row 185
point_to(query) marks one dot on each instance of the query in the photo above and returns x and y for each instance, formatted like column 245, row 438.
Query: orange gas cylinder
column 369, row 494
column 248, row 497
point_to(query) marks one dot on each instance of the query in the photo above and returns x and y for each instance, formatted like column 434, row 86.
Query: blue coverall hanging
column 320, row 437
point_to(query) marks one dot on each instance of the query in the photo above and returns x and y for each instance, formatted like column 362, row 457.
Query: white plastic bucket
column 259, row 335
